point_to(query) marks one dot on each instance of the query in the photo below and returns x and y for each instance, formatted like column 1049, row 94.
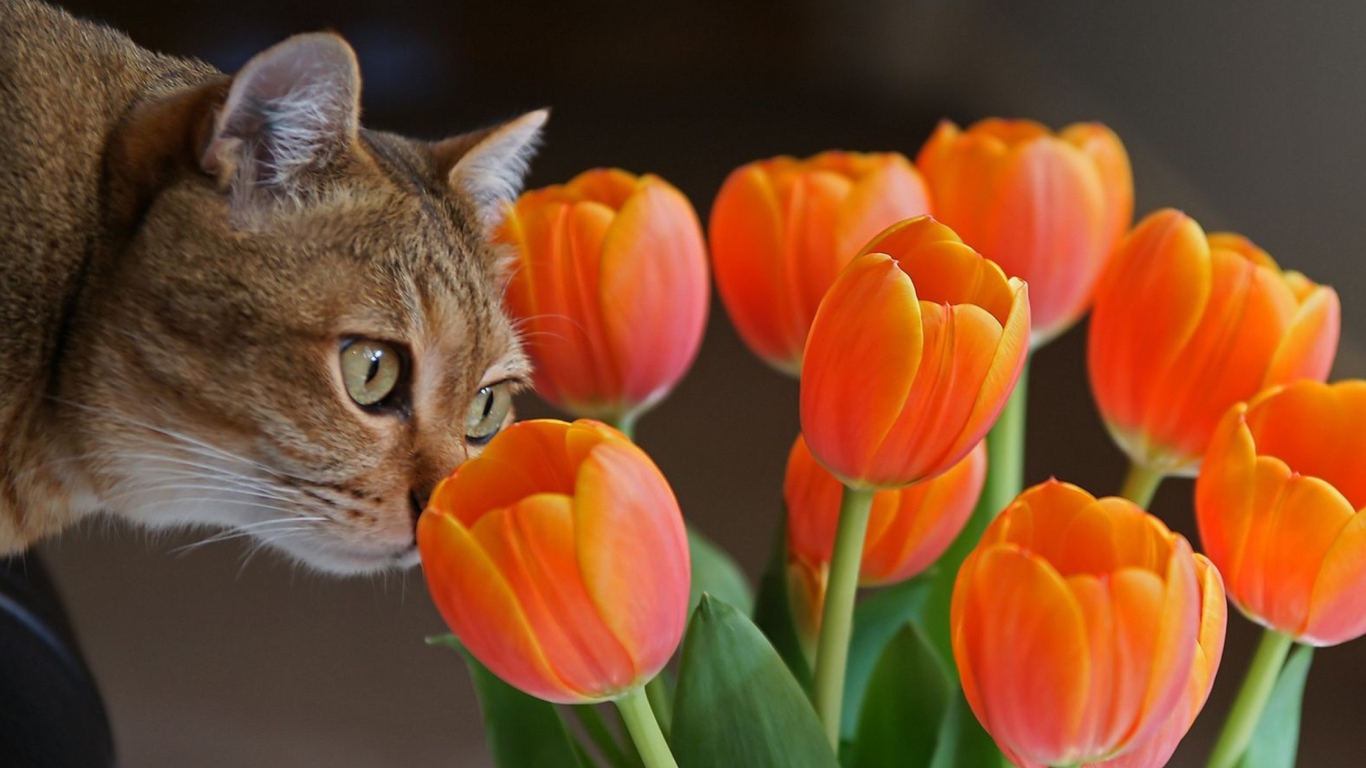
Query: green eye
column 370, row 370
column 488, row 410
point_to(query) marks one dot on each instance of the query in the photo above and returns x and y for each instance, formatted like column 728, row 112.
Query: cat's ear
column 489, row 165
column 289, row 113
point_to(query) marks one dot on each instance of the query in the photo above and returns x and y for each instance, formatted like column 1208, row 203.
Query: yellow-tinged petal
column 480, row 607
column 1311, row 342
column 532, row 547
column 860, row 362
column 1023, row 637
column 633, row 552
column 1337, row 607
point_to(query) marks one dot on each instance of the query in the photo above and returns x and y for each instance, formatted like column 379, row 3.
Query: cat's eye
column 487, row 412
column 370, row 369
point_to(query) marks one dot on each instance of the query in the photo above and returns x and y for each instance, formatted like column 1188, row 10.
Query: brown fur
column 173, row 297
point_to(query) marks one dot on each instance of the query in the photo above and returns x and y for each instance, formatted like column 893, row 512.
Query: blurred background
column 1247, row 115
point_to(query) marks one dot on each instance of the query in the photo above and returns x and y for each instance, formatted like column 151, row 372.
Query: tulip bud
column 1185, row 325
column 610, row 288
column 1047, row 208
column 559, row 558
column 782, row 229
column 913, row 353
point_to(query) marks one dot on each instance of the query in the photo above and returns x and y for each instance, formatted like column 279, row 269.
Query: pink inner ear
column 291, row 107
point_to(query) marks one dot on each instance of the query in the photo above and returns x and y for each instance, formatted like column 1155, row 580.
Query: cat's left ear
column 489, row 165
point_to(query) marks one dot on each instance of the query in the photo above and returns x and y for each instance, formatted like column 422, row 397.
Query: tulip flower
column 782, row 229
column 1279, row 504
column 610, row 288
column 1185, row 325
column 1209, row 651
column 1075, row 626
column 911, row 357
column 1047, row 208
column 559, row 558
column 908, row 528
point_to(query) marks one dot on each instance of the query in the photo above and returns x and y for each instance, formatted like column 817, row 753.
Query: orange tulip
column 1279, row 503
column 1075, row 624
column 908, row 529
column 1187, row 325
column 1047, row 208
column 911, row 357
column 782, row 229
column 1209, row 651
column 558, row 557
column 610, row 286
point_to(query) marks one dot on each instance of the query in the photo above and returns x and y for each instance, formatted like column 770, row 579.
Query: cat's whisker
column 181, row 439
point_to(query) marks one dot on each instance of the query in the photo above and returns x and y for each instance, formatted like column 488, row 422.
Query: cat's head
column 300, row 331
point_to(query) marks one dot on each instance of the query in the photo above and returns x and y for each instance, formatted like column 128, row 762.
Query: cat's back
column 64, row 84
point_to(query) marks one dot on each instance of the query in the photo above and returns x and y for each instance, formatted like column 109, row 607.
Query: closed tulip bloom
column 911, row 357
column 1048, row 208
column 610, row 287
column 1075, row 625
column 908, row 528
column 1209, row 651
column 1279, row 505
column 1185, row 325
column 782, row 229
column 558, row 557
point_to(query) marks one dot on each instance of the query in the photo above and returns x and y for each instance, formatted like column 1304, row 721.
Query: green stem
column 626, row 425
column 1252, row 698
column 1005, row 457
column 1140, row 485
column 601, row 736
column 837, row 618
column 657, row 692
column 1005, row 480
column 644, row 729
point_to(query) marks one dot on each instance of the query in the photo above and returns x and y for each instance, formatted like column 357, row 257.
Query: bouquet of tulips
column 1041, row 626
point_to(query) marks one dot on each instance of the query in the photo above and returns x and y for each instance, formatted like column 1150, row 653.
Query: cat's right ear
column 290, row 112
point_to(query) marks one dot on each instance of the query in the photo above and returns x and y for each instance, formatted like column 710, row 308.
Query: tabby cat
column 224, row 303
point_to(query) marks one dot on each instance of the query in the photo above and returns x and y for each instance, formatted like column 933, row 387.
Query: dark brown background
column 1248, row 116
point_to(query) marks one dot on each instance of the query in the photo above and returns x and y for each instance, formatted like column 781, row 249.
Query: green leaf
column 876, row 621
column 906, row 702
column 963, row 743
column 1277, row 737
column 522, row 731
column 737, row 704
column 714, row 571
column 773, row 612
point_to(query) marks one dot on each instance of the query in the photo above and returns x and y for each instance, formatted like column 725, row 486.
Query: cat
column 224, row 303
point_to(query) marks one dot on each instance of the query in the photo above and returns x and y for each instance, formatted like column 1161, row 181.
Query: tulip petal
column 1337, row 607
column 1047, row 225
column 532, row 547
column 481, row 608
column 890, row 192
column 860, row 363
column 959, row 344
column 746, row 234
column 948, row 272
column 633, row 553
column 527, row 458
column 1163, row 263
column 1020, row 640
column 1224, row 361
column 1007, row 364
column 1310, row 343
column 811, row 207
column 1105, row 150
column 653, row 292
